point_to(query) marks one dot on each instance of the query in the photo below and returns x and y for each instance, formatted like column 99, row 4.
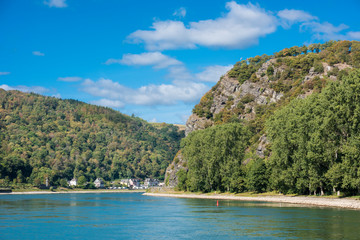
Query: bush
column 248, row 98
column 318, row 67
column 270, row 71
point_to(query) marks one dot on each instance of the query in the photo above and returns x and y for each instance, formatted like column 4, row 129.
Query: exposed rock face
column 230, row 88
column 228, row 94
column 195, row 122
column 171, row 179
column 260, row 150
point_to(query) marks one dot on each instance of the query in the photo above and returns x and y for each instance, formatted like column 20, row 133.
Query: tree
column 256, row 176
column 82, row 181
column 214, row 156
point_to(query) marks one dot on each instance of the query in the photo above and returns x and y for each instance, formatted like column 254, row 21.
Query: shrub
column 247, row 98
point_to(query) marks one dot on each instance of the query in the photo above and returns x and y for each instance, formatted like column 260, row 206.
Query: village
column 129, row 183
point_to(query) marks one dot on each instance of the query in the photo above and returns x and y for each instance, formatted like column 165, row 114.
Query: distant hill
column 299, row 137
column 45, row 137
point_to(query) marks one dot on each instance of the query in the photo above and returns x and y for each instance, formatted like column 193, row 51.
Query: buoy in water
column 217, row 203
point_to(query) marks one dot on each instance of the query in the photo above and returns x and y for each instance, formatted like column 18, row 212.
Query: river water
column 134, row 216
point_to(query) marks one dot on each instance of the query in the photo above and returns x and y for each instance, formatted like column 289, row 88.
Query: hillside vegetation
column 299, row 115
column 45, row 137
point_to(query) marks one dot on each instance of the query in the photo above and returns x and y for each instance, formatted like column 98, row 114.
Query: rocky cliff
column 256, row 87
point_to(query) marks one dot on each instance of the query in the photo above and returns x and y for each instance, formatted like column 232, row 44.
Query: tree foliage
column 44, row 137
column 214, row 157
column 315, row 141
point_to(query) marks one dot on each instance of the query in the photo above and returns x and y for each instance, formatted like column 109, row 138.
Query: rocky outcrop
column 195, row 122
column 171, row 178
column 260, row 150
column 229, row 90
column 233, row 98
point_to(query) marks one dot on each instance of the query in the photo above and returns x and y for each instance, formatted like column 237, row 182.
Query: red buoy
column 217, row 203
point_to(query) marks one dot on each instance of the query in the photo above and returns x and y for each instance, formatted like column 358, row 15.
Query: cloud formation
column 184, row 88
column 181, row 12
column 108, row 103
column 163, row 94
column 4, row 73
column 292, row 16
column 69, row 79
column 156, row 59
column 320, row 30
column 240, row 27
column 34, row 89
column 38, row 53
column 327, row 31
column 56, row 3
column 213, row 73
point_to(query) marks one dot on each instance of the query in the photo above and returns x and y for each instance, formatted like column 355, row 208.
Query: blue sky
column 154, row 59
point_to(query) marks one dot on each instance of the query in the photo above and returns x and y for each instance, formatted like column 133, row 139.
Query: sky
column 154, row 59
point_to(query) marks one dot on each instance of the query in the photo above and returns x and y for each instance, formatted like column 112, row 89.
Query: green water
column 133, row 216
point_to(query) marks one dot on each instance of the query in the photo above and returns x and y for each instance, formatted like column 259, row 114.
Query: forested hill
column 291, row 119
column 61, row 139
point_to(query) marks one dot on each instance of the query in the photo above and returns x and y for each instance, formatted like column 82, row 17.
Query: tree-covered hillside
column 300, row 118
column 45, row 137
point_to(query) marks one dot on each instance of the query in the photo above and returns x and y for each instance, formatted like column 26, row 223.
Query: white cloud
column 38, row 53
column 354, row 35
column 69, row 79
column 241, row 27
column 108, row 103
column 35, row 89
column 58, row 95
column 295, row 15
column 289, row 17
column 163, row 94
column 325, row 30
column 4, row 73
column 56, row 3
column 213, row 73
column 181, row 12
column 156, row 59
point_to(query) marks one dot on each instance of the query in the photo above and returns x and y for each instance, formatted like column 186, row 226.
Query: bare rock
column 171, row 179
column 260, row 150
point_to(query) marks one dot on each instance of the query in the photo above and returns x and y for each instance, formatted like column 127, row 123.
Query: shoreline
column 301, row 200
column 71, row 191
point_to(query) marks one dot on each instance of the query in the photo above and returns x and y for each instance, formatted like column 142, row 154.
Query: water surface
column 133, row 216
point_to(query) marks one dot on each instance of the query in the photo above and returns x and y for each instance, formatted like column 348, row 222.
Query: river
column 134, row 216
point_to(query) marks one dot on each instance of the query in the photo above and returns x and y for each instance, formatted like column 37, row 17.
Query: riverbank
column 72, row 191
column 304, row 200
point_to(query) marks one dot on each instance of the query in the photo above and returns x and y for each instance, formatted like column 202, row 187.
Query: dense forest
column 312, row 134
column 45, row 137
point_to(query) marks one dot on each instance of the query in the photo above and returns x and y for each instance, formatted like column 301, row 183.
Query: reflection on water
column 133, row 216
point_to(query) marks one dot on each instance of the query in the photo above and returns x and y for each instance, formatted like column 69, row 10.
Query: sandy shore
column 62, row 192
column 315, row 201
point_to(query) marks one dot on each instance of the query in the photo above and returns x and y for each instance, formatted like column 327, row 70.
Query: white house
column 73, row 182
column 149, row 182
column 99, row 183
column 134, row 183
column 125, row 182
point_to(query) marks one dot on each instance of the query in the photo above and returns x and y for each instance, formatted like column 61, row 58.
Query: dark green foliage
column 315, row 141
column 44, row 137
column 318, row 67
column 245, row 69
column 203, row 108
column 256, row 176
column 312, row 148
column 247, row 98
column 270, row 71
column 182, row 177
column 214, row 157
